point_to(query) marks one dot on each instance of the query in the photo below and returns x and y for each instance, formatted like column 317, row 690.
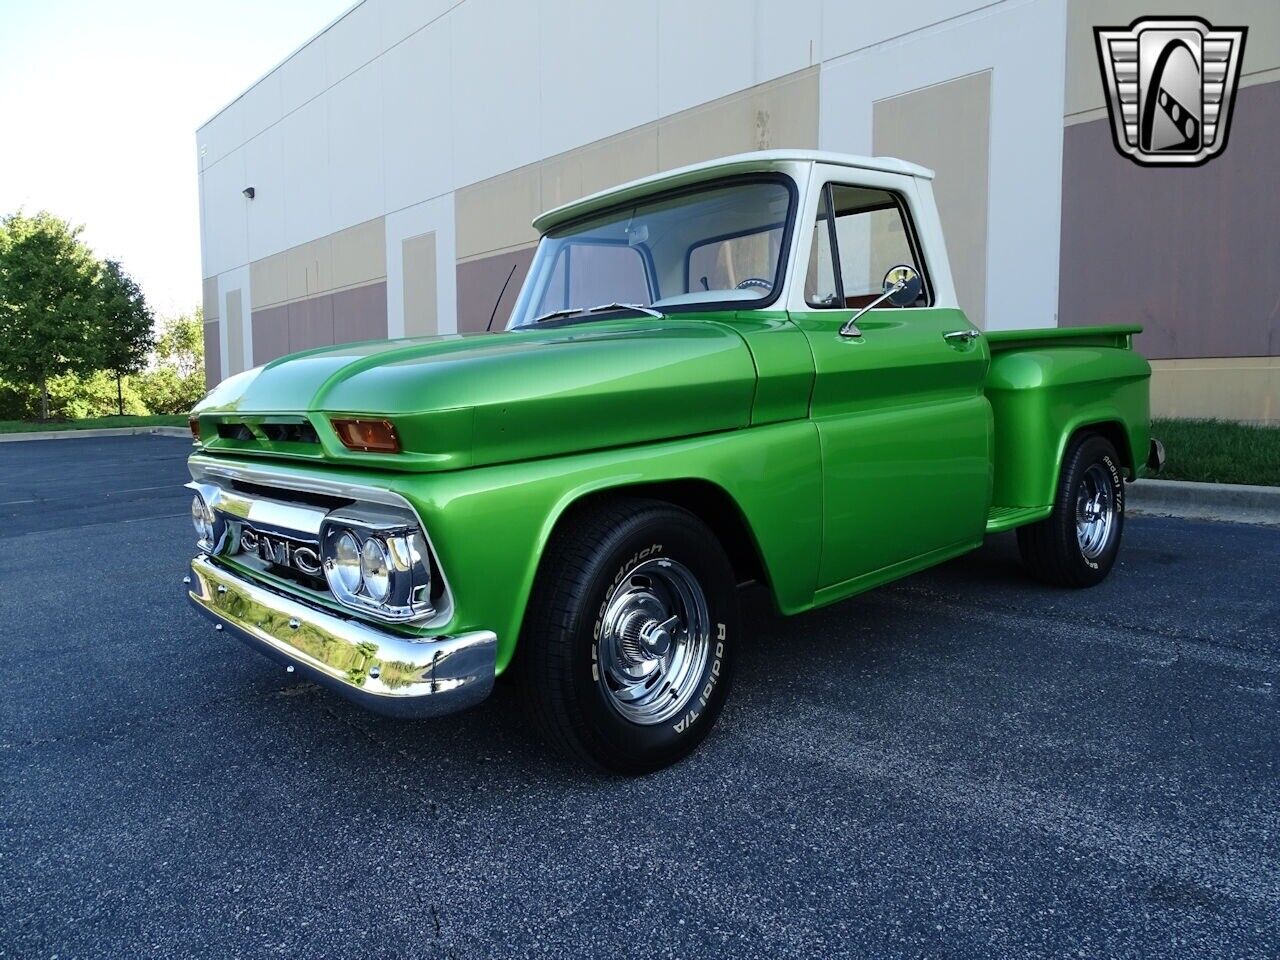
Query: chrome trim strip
column 203, row 466
column 382, row 671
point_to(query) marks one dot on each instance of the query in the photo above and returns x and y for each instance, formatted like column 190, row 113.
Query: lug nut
column 221, row 588
column 289, row 668
column 186, row 579
column 375, row 672
column 293, row 625
column 217, row 626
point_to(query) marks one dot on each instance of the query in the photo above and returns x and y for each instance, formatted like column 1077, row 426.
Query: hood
column 465, row 400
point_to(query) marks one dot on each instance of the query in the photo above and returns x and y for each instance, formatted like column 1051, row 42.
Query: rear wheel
column 1077, row 544
column 625, row 655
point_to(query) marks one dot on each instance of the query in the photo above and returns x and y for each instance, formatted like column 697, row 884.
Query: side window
column 725, row 263
column 589, row 274
column 871, row 234
column 821, row 286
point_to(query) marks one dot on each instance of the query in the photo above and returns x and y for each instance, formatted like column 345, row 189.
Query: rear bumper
column 1155, row 456
column 383, row 671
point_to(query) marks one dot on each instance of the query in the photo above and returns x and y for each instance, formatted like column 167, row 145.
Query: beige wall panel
column 309, row 268
column 783, row 113
column 561, row 179
column 420, row 306
column 496, row 214
column 1084, row 82
column 269, row 281
column 233, row 315
column 212, row 353
column 209, row 298
column 947, row 127
column 1228, row 389
column 628, row 156
column 359, row 254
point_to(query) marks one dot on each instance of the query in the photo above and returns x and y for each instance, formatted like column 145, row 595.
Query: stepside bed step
column 1000, row 519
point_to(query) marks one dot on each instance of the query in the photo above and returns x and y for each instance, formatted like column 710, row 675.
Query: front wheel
column 1077, row 544
column 625, row 655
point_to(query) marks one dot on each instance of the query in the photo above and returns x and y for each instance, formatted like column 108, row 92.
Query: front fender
column 490, row 525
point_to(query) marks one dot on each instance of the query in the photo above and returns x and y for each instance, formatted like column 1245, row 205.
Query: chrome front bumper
column 386, row 672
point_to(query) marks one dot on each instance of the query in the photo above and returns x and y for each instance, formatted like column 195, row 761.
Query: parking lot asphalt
column 963, row 764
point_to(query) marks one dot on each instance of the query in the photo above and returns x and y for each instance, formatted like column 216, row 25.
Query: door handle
column 961, row 336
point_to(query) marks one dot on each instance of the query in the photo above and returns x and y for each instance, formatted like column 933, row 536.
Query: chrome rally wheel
column 626, row 654
column 1095, row 511
column 655, row 636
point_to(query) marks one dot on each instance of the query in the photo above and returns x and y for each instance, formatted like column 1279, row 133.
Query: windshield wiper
column 625, row 306
column 557, row 314
column 600, row 308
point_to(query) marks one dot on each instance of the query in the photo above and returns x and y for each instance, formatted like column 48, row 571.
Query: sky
column 99, row 105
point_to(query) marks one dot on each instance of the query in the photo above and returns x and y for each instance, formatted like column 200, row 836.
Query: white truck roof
column 709, row 169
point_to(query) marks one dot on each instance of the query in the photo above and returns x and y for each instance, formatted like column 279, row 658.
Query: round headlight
column 202, row 519
column 344, row 565
column 375, row 567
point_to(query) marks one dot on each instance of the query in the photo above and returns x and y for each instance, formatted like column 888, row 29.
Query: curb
column 1232, row 502
column 95, row 432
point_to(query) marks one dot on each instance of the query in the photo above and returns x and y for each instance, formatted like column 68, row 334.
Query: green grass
column 93, row 423
column 1219, row 451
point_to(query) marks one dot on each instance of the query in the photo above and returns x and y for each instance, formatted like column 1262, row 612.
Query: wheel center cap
column 655, row 638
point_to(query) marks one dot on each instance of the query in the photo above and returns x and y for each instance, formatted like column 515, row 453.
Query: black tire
column 1051, row 548
column 590, row 558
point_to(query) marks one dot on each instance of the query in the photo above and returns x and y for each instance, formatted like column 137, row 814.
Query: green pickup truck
column 748, row 370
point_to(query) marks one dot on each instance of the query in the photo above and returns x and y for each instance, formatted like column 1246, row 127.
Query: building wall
column 1192, row 254
column 399, row 157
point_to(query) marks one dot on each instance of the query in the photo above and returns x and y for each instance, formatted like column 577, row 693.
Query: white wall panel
column 260, row 105
column 849, row 25
column 354, row 40
column 495, row 87
column 355, row 140
column 706, row 49
column 788, row 37
column 417, row 93
column 264, row 170
column 400, row 18
column 597, row 74
column 1026, row 135
column 225, row 213
column 221, row 135
column 433, row 216
column 307, row 193
column 304, row 75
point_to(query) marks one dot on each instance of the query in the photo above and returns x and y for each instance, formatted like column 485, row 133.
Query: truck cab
column 749, row 370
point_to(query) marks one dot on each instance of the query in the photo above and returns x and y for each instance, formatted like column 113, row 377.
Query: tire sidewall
column 1091, row 451
column 648, row 537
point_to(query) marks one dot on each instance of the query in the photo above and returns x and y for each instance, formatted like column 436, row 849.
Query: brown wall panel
column 479, row 282
column 212, row 355
column 1193, row 255
column 310, row 323
column 270, row 333
column 359, row 313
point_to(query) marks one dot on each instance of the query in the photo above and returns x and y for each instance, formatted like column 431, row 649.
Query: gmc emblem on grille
column 281, row 552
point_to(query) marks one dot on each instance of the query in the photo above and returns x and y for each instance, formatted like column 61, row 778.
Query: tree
column 48, row 301
column 123, row 333
column 175, row 382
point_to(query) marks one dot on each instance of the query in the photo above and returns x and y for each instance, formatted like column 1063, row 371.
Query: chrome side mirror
column 902, row 286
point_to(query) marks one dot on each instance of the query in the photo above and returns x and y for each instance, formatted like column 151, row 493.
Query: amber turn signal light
column 194, row 424
column 369, row 436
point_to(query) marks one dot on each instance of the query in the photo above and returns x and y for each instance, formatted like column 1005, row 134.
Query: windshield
column 697, row 249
